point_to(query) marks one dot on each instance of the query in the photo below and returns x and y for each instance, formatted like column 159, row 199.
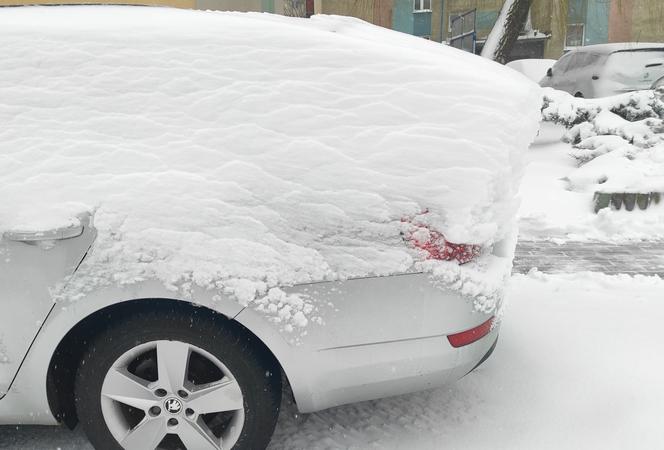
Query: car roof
column 619, row 46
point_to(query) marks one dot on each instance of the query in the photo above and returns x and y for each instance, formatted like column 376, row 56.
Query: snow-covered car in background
column 200, row 207
column 608, row 69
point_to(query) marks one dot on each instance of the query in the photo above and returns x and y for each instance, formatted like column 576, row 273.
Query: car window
column 636, row 59
column 636, row 66
column 561, row 66
column 574, row 61
column 587, row 59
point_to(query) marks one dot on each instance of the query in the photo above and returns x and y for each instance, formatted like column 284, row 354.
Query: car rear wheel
column 167, row 381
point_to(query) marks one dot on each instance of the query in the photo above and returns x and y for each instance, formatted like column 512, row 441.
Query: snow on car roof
column 241, row 152
column 619, row 46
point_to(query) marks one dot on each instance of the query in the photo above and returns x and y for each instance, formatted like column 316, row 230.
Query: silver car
column 608, row 69
column 140, row 368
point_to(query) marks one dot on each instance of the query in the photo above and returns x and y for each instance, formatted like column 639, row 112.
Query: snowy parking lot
column 578, row 366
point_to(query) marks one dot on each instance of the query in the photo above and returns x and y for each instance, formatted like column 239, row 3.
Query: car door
column 31, row 265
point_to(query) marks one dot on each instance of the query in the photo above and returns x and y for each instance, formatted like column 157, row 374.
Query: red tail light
column 436, row 246
column 470, row 336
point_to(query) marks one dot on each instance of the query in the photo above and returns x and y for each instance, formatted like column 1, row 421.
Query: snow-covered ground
column 578, row 366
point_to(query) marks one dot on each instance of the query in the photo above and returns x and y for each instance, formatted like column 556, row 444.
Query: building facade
column 553, row 25
column 558, row 25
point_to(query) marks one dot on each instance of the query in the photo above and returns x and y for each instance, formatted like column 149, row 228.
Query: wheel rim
column 170, row 394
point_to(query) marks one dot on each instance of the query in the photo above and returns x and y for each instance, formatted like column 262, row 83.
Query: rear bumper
column 375, row 371
column 486, row 356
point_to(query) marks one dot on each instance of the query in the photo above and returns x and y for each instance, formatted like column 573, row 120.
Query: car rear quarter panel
column 380, row 336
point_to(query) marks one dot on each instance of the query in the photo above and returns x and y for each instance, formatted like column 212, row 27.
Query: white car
column 202, row 208
column 608, row 69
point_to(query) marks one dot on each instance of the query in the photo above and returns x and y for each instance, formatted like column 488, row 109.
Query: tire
column 222, row 356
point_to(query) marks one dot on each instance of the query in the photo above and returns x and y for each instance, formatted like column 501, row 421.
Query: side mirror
column 549, row 72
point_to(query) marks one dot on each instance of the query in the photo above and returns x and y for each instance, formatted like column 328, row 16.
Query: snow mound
column 243, row 152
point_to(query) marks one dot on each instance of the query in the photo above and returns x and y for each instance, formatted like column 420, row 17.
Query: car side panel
column 26, row 401
column 28, row 270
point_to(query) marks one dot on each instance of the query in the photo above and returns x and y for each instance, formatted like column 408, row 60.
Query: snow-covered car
column 200, row 208
column 608, row 69
column 534, row 69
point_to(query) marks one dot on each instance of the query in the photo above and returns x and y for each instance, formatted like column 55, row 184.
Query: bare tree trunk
column 505, row 32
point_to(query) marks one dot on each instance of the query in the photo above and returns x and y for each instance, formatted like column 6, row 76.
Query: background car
column 608, row 69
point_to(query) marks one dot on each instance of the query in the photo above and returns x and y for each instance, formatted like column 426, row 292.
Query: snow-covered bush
column 618, row 141
column 244, row 152
column 562, row 108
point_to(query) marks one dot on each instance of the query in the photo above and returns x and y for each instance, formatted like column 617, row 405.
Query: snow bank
column 242, row 152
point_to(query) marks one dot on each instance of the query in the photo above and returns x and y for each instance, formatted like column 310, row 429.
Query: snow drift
column 243, row 152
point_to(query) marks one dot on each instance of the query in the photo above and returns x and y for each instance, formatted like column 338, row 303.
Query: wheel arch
column 67, row 355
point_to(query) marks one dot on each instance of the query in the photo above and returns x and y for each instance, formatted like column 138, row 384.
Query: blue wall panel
column 402, row 16
column 422, row 24
column 597, row 22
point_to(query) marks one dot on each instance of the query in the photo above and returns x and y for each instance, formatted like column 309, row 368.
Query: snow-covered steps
column 628, row 200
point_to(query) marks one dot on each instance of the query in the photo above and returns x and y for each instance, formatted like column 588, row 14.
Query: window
column 421, row 5
column 574, row 37
column 462, row 30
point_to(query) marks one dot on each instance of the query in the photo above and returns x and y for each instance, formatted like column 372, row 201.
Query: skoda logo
column 173, row 405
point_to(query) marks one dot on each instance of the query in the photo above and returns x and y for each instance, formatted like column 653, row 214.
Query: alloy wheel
column 172, row 395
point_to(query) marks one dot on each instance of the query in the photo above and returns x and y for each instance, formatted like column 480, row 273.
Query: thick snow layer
column 578, row 366
column 241, row 152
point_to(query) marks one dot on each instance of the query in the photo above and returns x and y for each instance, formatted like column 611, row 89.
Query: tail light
column 469, row 336
column 422, row 237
